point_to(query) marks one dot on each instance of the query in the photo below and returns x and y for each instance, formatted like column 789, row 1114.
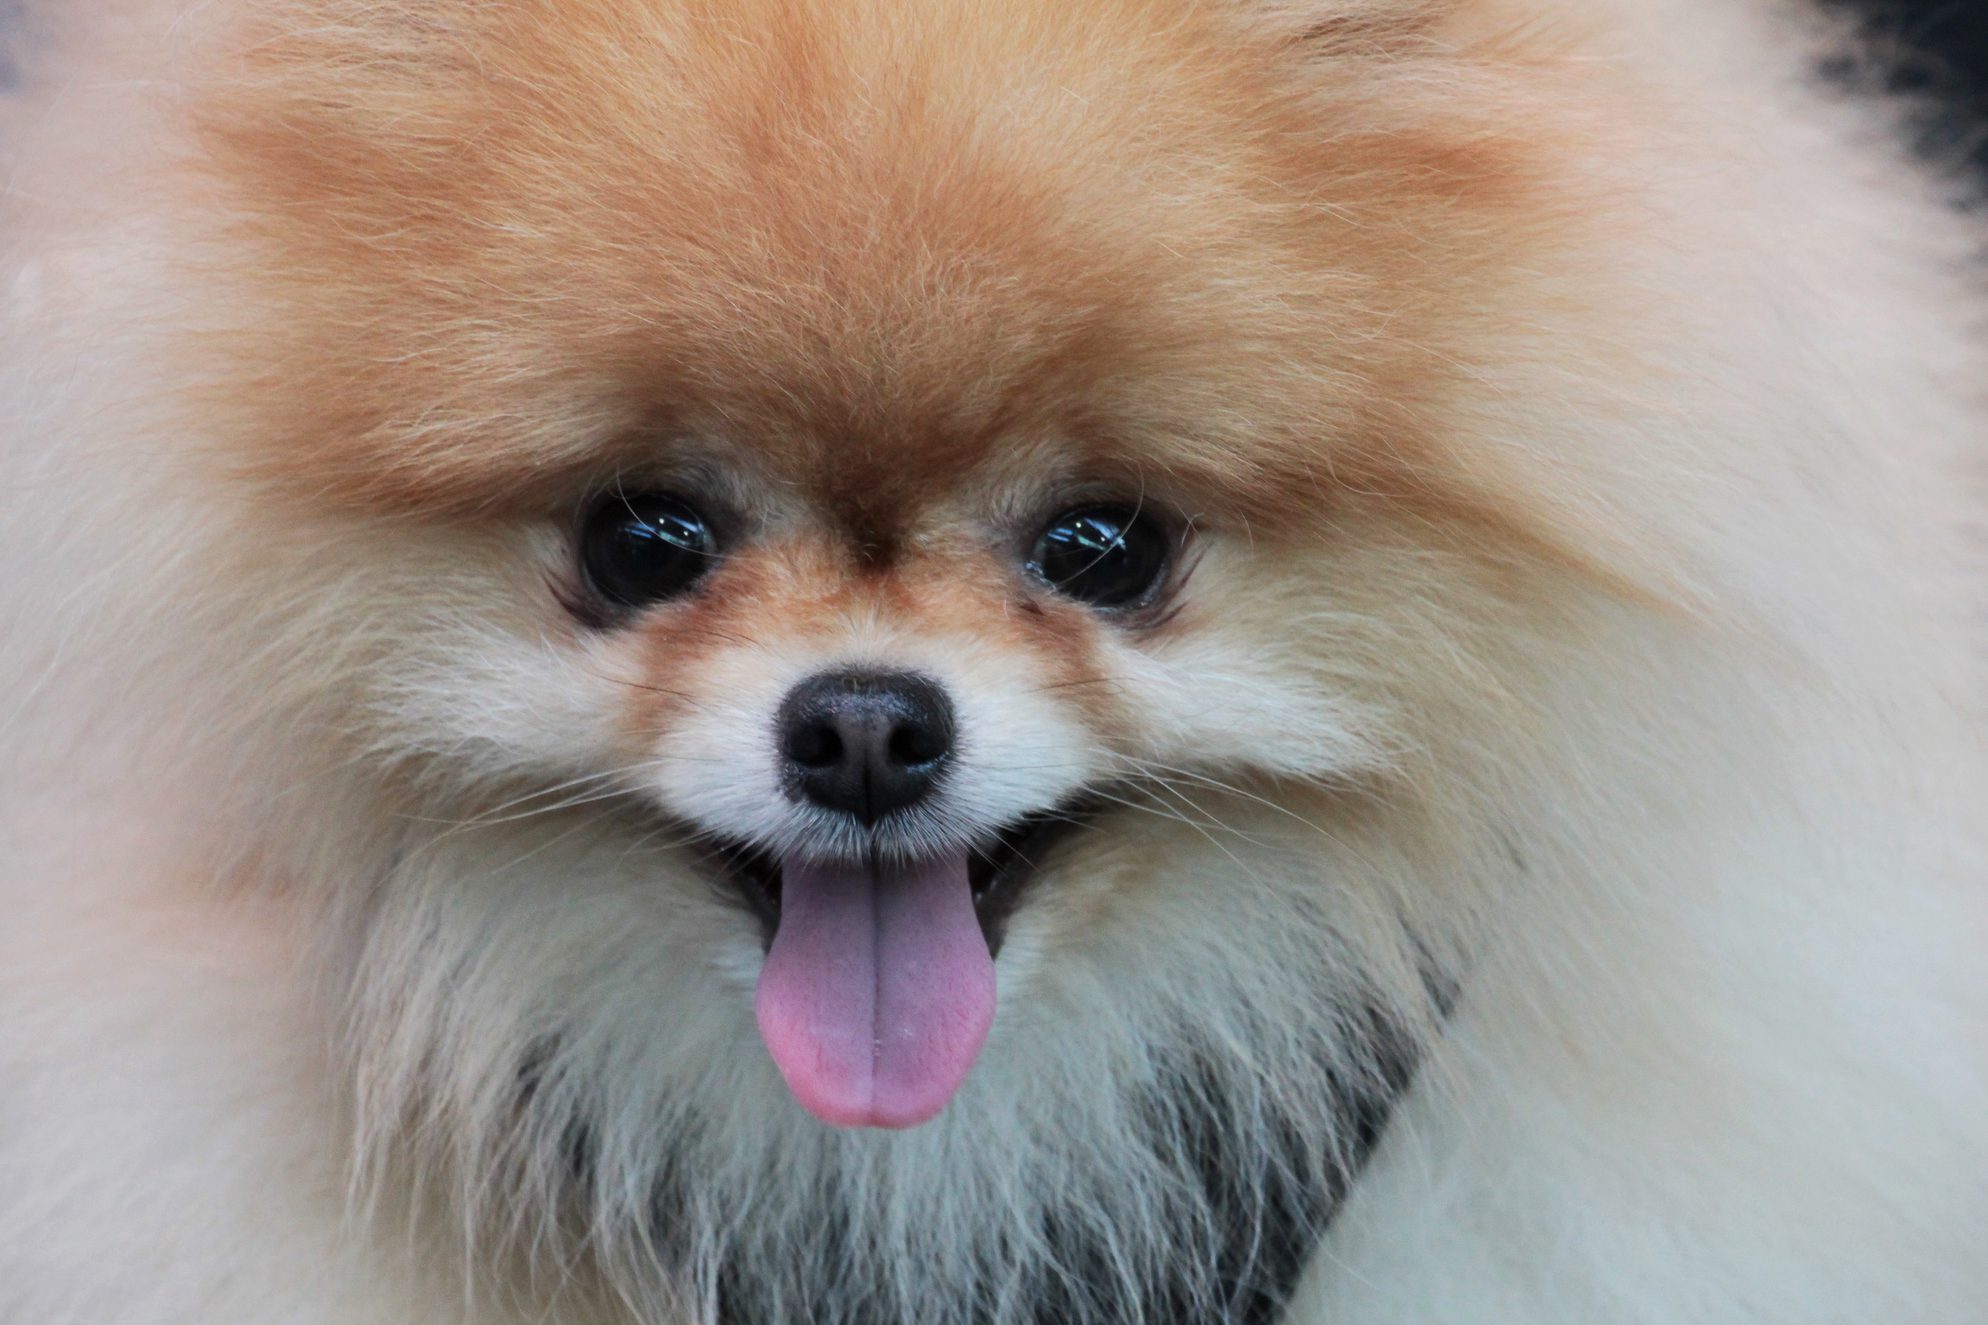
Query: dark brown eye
column 1106, row 556
column 641, row 548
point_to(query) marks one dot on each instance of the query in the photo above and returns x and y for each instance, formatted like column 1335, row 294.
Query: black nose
column 865, row 743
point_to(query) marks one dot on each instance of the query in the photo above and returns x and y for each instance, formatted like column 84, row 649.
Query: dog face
column 897, row 513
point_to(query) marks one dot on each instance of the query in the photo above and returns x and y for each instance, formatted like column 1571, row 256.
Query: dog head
column 849, row 519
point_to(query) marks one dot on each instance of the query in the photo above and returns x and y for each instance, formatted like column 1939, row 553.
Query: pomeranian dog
column 1046, row 662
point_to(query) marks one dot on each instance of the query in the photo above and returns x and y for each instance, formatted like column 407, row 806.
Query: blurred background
column 1936, row 49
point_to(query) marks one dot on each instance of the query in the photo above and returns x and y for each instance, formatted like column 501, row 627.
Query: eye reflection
column 642, row 548
column 1107, row 556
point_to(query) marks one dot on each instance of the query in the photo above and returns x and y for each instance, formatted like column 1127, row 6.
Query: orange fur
column 515, row 251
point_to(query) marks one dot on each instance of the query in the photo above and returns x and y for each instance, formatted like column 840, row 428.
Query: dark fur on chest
column 1266, row 1194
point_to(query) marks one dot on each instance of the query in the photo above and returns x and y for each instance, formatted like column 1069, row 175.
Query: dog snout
column 865, row 743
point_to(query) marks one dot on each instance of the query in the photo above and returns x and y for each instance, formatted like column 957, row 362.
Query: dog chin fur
column 1568, row 740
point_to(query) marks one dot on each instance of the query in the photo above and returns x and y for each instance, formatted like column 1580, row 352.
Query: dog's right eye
column 641, row 548
column 1111, row 557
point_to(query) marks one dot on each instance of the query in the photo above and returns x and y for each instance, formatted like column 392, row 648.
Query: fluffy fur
column 1572, row 700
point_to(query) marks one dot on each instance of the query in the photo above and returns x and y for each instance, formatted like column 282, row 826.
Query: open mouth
column 998, row 872
column 878, row 988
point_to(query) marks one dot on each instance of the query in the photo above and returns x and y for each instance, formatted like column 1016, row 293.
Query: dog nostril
column 914, row 744
column 814, row 745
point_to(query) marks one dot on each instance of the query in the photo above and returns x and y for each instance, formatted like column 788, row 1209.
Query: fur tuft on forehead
column 505, row 248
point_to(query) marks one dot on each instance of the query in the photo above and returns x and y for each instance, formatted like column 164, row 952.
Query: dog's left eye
column 641, row 548
column 1106, row 556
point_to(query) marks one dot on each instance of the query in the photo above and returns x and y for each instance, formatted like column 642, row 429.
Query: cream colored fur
column 315, row 836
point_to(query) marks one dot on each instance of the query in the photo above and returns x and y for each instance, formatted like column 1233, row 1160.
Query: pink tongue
column 878, row 991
